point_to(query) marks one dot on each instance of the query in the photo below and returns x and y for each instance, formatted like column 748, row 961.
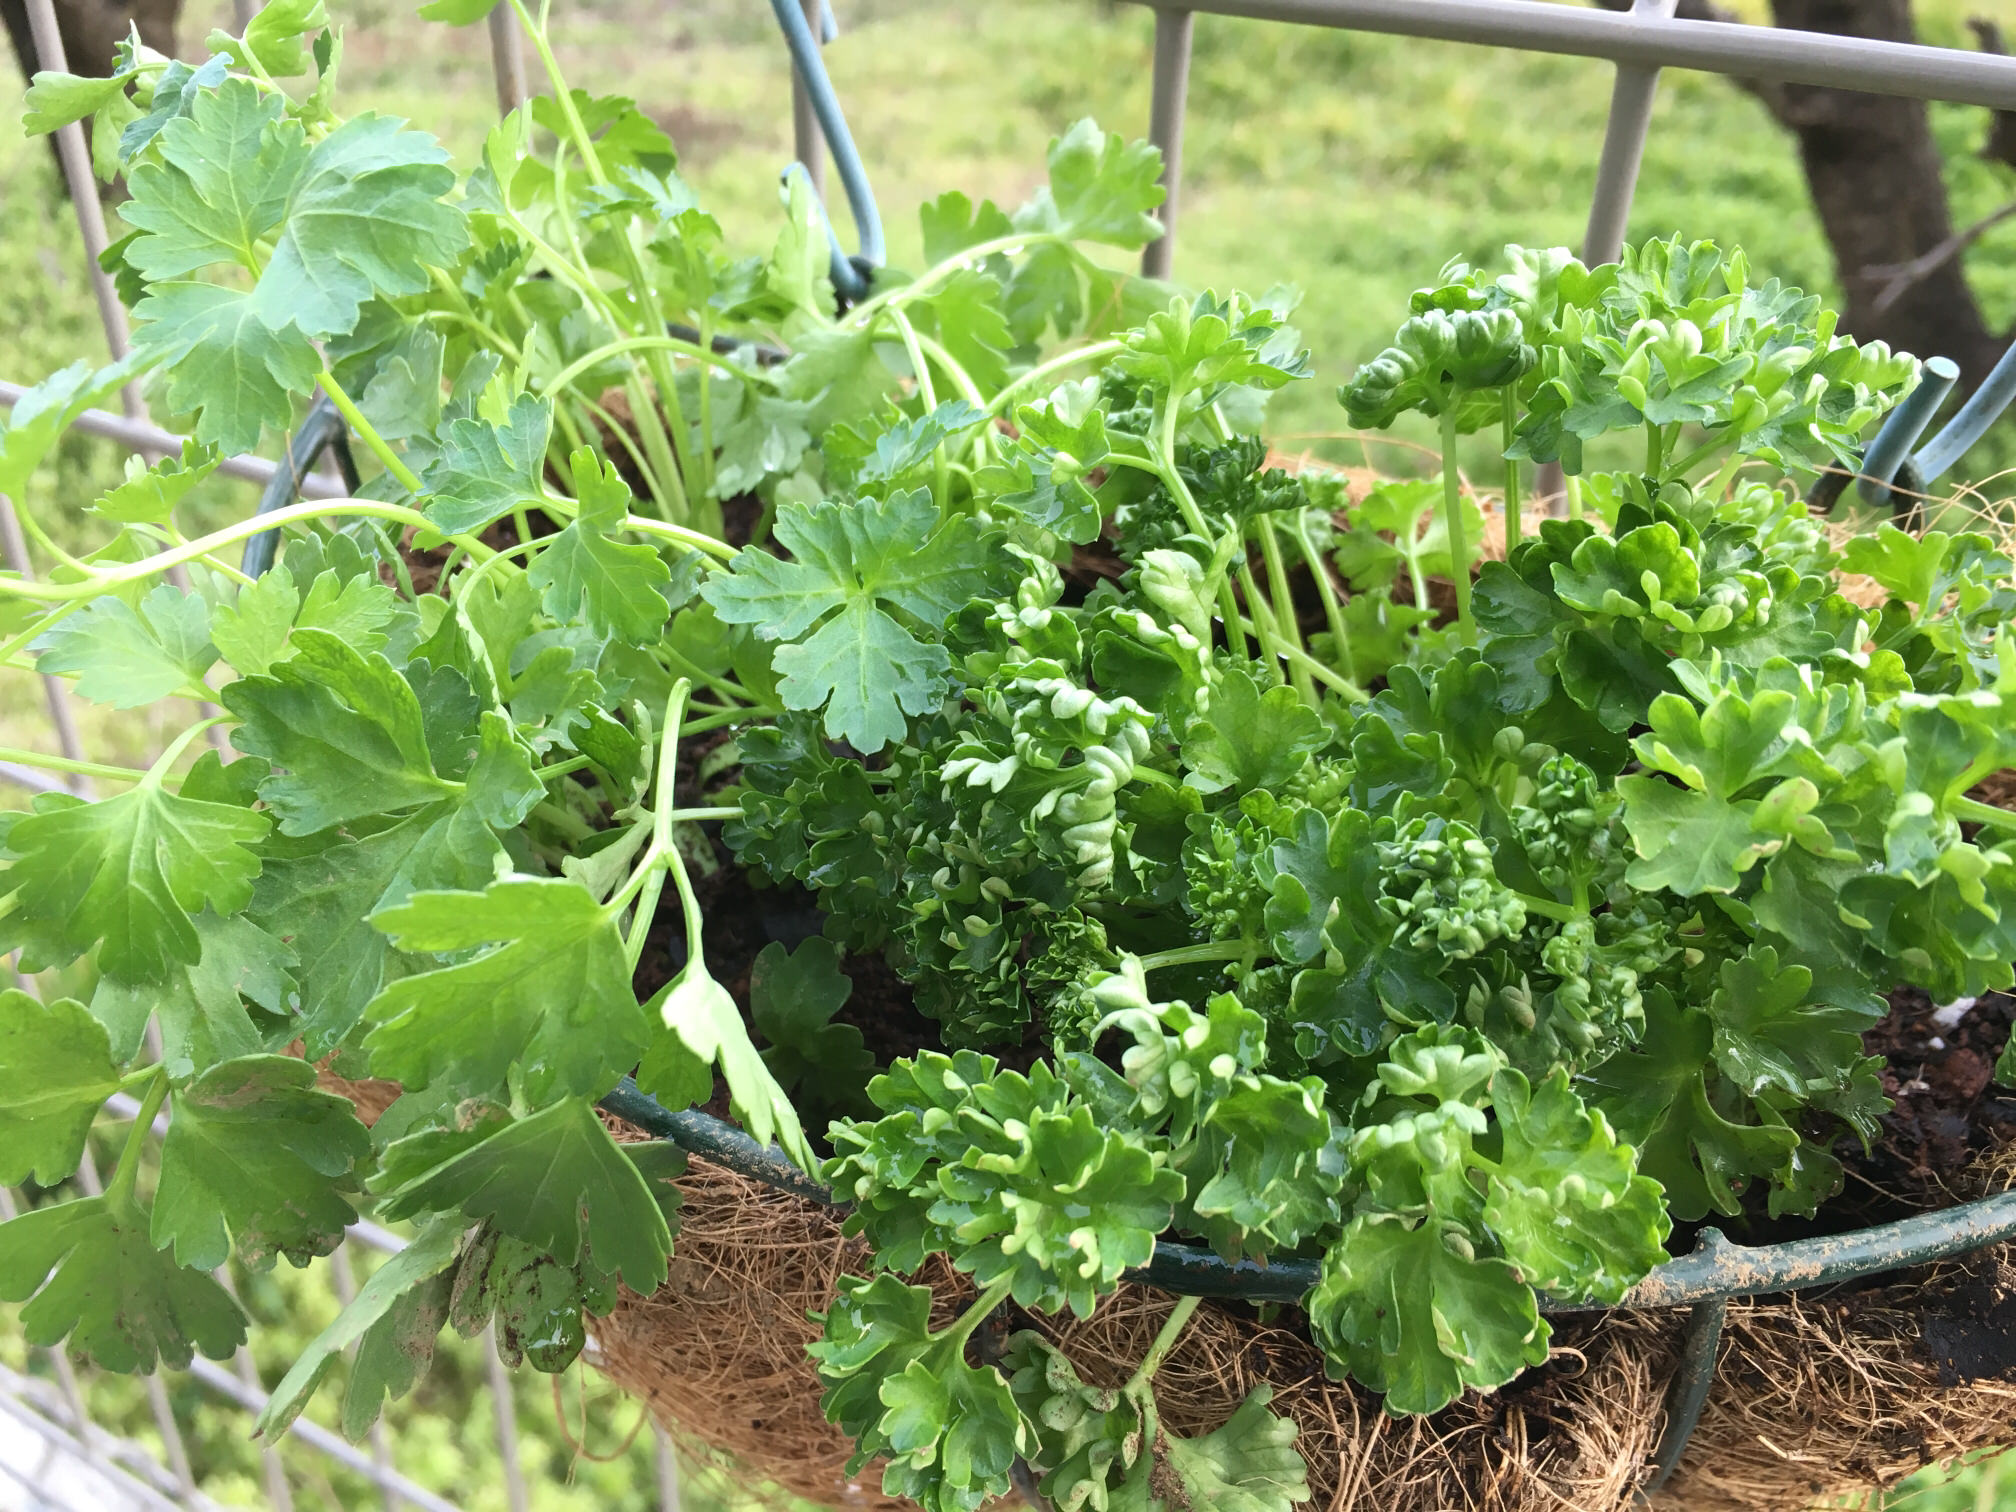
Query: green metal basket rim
column 1715, row 1271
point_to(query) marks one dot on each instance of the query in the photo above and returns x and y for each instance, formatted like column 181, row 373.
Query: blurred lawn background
column 1352, row 166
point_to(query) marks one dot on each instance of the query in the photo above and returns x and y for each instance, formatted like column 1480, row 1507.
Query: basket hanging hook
column 850, row 275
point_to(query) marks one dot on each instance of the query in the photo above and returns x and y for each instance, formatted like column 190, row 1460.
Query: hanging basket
column 1807, row 1397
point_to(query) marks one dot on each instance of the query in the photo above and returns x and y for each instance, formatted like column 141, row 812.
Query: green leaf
column 366, row 220
column 55, row 99
column 792, row 999
column 554, row 1179
column 252, row 1155
column 345, row 731
column 127, row 657
column 585, row 574
column 199, row 1007
column 395, row 1352
column 853, row 564
column 218, row 183
column 550, row 1004
column 1658, row 1098
column 96, row 1279
column 1415, row 1315
column 56, row 1070
column 226, row 365
column 149, row 494
column 1774, row 1030
column 1566, row 1199
column 128, row 871
column 1690, row 842
column 699, row 1010
column 1101, row 189
column 1247, row 739
column 431, row 1252
column 485, row 471
column 274, row 33
column 1323, row 873
column 30, row 429
column 1247, row 1464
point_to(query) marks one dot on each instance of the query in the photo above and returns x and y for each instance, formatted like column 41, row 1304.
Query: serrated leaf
column 366, row 219
column 128, row 657
column 227, row 366
column 90, row 1275
column 585, row 574
column 554, row 1179
column 345, row 730
column 198, row 1006
column 430, row 1253
column 56, row 1070
column 252, row 1155
column 485, row 471
column 866, row 668
column 1246, row 1464
column 128, row 871
column 149, row 494
column 219, row 182
column 1247, row 739
column 551, row 1002
column 1101, row 189
column 699, row 1010
column 31, row 427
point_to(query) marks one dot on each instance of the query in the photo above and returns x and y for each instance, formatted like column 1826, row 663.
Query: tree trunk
column 1874, row 170
column 91, row 29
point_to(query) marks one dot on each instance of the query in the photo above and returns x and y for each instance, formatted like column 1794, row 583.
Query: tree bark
column 1875, row 173
column 91, row 29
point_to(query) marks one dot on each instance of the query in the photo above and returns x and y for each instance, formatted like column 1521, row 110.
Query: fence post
column 1173, row 30
column 507, row 1422
column 1623, row 147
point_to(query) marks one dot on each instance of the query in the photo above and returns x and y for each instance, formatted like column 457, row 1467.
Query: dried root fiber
column 1814, row 1399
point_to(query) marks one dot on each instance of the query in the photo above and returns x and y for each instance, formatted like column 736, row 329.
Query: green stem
column 1655, row 450
column 941, row 483
column 561, row 768
column 1547, row 908
column 190, row 551
column 119, row 1194
column 704, row 815
column 1017, row 241
column 1097, row 351
column 691, row 349
column 1573, row 484
column 656, row 485
column 1333, row 608
column 1196, row 955
column 1981, row 813
column 1328, row 676
column 368, row 433
column 1513, row 524
column 1165, row 469
column 1273, row 644
column 1284, row 606
column 1165, row 1340
column 661, row 450
column 961, row 1329
column 65, row 764
column 1452, row 517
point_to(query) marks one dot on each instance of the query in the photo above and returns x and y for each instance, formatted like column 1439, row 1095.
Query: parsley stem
column 1284, row 607
column 941, row 472
column 1452, row 515
column 1981, row 813
column 178, row 745
column 1015, row 241
column 190, row 551
column 703, row 815
column 561, row 768
column 368, row 433
column 1198, row 955
column 1165, row 1340
column 1333, row 609
column 119, row 1194
column 601, row 354
column 1547, row 908
column 1326, row 675
column 1097, row 351
column 65, row 764
column 961, row 1328
column 1513, row 523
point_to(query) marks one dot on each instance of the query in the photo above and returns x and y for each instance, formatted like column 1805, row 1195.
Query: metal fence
column 1640, row 42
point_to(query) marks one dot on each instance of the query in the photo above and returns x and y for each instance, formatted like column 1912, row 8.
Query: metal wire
column 850, row 274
